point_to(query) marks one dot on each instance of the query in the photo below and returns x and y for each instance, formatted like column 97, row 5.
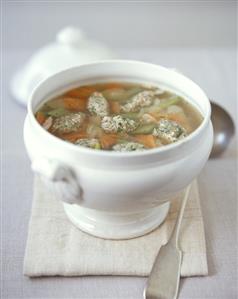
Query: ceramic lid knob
column 70, row 36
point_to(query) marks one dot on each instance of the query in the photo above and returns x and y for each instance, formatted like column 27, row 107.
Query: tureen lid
column 70, row 48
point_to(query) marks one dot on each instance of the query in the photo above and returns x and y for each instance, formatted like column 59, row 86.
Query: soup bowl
column 117, row 195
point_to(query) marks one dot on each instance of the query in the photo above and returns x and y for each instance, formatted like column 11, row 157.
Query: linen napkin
column 57, row 247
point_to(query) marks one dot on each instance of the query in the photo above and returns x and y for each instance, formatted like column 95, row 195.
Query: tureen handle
column 60, row 178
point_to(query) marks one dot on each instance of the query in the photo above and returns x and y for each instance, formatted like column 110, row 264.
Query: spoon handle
column 163, row 281
column 175, row 233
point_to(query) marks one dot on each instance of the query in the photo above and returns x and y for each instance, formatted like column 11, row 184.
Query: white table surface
column 215, row 71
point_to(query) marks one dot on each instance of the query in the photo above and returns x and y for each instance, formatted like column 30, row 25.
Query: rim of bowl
column 103, row 153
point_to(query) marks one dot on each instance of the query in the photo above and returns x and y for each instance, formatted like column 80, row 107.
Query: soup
column 119, row 117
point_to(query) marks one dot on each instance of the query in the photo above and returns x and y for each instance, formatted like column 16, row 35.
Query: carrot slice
column 147, row 140
column 41, row 118
column 115, row 107
column 154, row 115
column 72, row 137
column 81, row 92
column 75, row 104
column 108, row 140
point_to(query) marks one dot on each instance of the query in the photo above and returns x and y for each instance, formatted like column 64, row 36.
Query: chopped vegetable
column 159, row 91
column 58, row 112
column 94, row 131
column 166, row 103
column 115, row 94
column 72, row 137
column 120, row 94
column 81, row 92
column 108, row 140
column 115, row 107
column 48, row 123
column 147, row 140
column 133, row 91
column 54, row 104
column 147, row 118
column 160, row 105
column 75, row 104
column 91, row 143
column 158, row 142
column 131, row 115
column 95, row 119
column 155, row 116
column 174, row 109
column 40, row 117
column 145, row 129
column 121, row 140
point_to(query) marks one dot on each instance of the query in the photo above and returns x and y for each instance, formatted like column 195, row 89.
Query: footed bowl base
column 116, row 226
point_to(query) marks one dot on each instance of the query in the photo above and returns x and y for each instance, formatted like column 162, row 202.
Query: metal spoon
column 163, row 282
column 224, row 129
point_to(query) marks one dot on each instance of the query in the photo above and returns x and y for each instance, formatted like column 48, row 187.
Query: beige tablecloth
column 56, row 247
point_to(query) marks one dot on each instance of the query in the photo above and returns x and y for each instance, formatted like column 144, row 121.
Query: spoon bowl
column 224, row 129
